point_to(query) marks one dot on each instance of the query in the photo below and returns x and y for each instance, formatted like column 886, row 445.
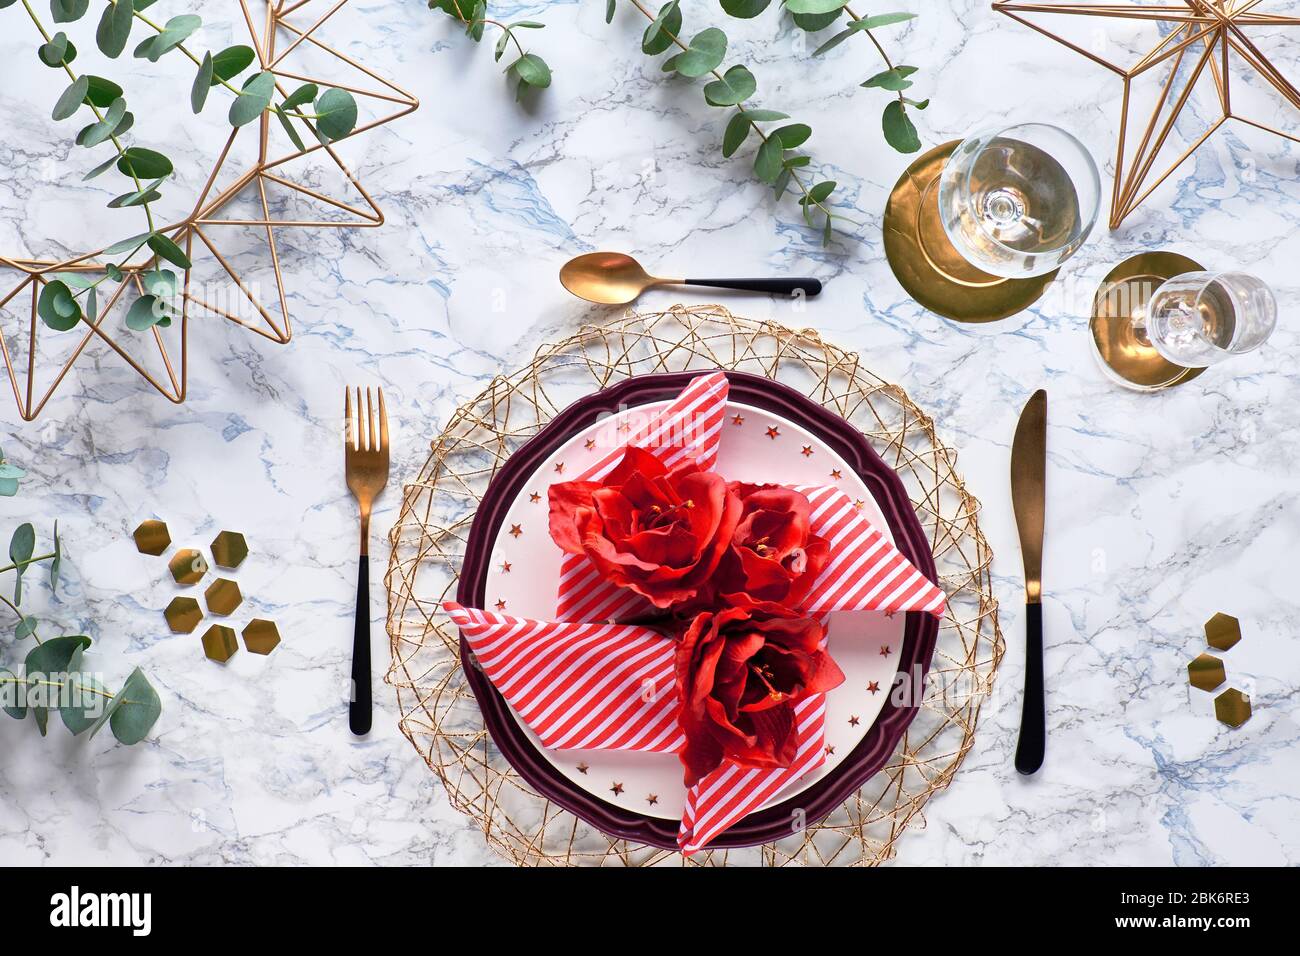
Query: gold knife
column 1028, row 494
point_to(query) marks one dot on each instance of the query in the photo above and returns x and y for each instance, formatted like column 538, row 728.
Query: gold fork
column 365, row 462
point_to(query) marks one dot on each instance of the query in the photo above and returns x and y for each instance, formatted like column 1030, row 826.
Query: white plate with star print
column 756, row 446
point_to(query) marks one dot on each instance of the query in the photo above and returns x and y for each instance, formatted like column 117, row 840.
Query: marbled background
column 1162, row 509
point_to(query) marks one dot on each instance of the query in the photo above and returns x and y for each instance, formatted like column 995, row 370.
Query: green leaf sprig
column 10, row 474
column 55, row 676
column 816, row 15
column 69, row 298
column 528, row 69
column 777, row 161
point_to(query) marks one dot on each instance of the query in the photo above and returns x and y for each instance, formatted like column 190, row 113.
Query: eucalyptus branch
column 898, row 128
column 60, row 301
column 775, row 163
column 529, row 69
column 57, row 663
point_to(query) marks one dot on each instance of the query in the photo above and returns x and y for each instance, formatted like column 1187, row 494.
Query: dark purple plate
column 919, row 634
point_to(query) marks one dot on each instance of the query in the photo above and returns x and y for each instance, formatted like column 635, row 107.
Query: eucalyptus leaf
column 70, row 100
column 168, row 249
column 82, row 697
column 57, row 561
column 101, row 92
column 26, row 628
column 115, row 27
column 736, row 86
column 8, row 470
column 766, row 116
column 532, row 69
column 144, row 313
column 141, row 163
column 898, row 128
column 292, row 133
column 705, row 53
column 737, row 132
column 882, row 20
column 161, row 282
column 13, row 694
column 814, row 22
column 336, row 110
column 8, row 486
column 796, row 134
column 68, row 11
column 56, row 307
column 230, row 62
column 133, row 710
column 45, row 662
column 253, row 99
column 745, row 9
column 894, row 80
column 92, row 310
column 60, row 51
column 175, row 32
column 667, row 24
column 124, row 245
column 767, row 163
column 22, row 543
column 814, row 6
column 202, row 84
column 609, row 11
column 301, row 96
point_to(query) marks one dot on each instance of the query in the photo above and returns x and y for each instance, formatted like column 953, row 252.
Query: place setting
column 676, row 555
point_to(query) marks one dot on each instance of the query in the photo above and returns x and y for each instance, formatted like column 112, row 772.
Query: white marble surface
column 1162, row 509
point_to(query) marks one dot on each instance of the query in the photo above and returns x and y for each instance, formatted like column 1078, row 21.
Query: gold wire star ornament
column 283, row 34
column 1198, row 38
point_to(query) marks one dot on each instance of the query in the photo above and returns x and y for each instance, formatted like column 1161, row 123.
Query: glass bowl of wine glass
column 1018, row 201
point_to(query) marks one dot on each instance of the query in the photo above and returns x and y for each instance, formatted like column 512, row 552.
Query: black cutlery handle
column 1033, row 715
column 359, row 706
column 774, row 286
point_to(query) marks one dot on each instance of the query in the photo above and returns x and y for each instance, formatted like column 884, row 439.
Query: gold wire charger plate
column 439, row 713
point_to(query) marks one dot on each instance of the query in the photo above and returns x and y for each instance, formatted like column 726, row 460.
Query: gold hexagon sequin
column 152, row 537
column 261, row 636
column 1232, row 707
column 187, row 566
column 183, row 615
column 229, row 549
column 1206, row 672
column 223, row 596
column 1222, row 631
column 219, row 643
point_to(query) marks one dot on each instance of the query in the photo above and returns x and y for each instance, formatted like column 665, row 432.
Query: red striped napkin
column 584, row 683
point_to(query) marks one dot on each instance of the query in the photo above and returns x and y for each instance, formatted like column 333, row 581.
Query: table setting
column 774, row 433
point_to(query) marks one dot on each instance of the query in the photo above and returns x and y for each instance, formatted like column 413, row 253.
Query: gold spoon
column 612, row 278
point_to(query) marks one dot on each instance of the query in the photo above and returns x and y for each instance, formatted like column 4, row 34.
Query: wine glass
column 1019, row 201
column 1201, row 318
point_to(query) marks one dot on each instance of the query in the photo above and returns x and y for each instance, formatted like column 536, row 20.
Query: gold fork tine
column 372, row 433
column 349, row 433
column 363, row 437
column 383, row 422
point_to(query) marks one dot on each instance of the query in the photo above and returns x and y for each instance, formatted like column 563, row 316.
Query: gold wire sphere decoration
column 282, row 20
column 1209, row 35
column 439, row 713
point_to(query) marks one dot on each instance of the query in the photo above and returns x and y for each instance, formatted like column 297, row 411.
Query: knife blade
column 1028, row 499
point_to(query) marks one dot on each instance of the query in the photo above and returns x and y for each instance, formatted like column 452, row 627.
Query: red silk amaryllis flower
column 657, row 532
column 739, row 674
column 773, row 557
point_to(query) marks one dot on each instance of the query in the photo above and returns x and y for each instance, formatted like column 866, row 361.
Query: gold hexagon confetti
column 223, row 596
column 1222, row 631
column 1232, row 707
column 261, row 636
column 187, row 566
column 1206, row 672
column 183, row 615
column 152, row 537
column 219, row 643
column 229, row 549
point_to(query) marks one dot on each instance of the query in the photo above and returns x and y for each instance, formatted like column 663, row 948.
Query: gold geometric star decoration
column 283, row 34
column 1199, row 38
